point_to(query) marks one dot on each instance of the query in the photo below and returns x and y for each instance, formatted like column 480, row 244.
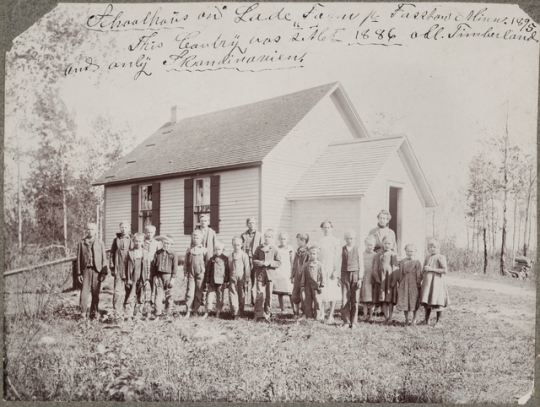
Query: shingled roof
column 227, row 138
column 365, row 158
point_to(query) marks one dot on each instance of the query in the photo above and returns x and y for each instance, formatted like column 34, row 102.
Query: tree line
column 501, row 191
column 47, row 206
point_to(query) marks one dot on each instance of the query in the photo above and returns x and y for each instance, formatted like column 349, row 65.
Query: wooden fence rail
column 61, row 262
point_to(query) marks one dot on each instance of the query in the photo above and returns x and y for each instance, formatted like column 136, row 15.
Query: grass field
column 483, row 353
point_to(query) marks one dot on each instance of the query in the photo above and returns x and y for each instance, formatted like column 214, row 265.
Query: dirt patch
column 489, row 285
column 514, row 305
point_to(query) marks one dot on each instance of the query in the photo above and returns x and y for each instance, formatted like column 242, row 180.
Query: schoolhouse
column 292, row 161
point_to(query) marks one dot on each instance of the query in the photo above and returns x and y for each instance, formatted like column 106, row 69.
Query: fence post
column 76, row 285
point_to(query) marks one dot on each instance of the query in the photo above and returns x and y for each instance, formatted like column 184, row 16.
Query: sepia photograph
column 271, row 202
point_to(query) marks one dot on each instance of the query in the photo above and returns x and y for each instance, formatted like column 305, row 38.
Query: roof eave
column 179, row 174
column 418, row 177
column 348, row 112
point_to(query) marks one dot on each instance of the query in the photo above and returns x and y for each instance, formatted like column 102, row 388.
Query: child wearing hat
column 164, row 270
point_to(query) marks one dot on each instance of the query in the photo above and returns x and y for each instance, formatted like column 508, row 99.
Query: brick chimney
column 174, row 110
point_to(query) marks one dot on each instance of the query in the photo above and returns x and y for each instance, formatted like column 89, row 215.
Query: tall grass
column 471, row 359
column 469, row 262
column 30, row 300
column 243, row 361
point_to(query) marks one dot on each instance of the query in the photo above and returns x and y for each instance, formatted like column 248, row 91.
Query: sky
column 444, row 94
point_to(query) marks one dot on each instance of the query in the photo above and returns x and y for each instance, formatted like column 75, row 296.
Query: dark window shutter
column 188, row 206
column 156, row 205
column 214, row 203
column 135, row 209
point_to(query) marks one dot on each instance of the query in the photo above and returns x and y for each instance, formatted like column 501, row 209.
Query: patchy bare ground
column 495, row 300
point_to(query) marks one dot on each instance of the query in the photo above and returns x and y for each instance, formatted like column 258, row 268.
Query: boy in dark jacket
column 216, row 278
column 266, row 260
column 312, row 284
column 121, row 245
column 164, row 270
column 301, row 257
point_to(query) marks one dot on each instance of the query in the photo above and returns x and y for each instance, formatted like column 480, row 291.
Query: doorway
column 394, row 206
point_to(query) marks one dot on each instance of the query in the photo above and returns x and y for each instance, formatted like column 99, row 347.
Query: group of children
column 145, row 269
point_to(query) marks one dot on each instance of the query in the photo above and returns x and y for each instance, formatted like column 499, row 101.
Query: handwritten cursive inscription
column 258, row 37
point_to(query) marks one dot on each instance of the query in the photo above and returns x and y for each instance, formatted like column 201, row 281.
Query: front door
column 394, row 206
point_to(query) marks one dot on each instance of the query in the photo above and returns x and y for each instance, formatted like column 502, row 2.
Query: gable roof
column 364, row 159
column 228, row 138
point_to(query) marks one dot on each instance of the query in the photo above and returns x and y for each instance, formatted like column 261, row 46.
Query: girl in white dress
column 330, row 257
column 283, row 284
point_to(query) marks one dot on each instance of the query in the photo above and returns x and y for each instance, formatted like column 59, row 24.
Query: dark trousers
column 249, row 298
column 91, row 287
column 313, row 304
column 350, row 292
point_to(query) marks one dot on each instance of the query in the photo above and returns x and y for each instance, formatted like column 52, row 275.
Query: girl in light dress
column 283, row 285
column 330, row 257
column 409, row 282
column 434, row 293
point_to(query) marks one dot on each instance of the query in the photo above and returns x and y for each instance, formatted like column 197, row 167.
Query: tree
column 108, row 143
column 508, row 159
column 529, row 176
column 480, row 181
column 34, row 69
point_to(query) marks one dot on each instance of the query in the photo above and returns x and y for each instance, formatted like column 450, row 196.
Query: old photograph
column 271, row 202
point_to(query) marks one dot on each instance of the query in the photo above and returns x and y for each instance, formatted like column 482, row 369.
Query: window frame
column 142, row 211
column 199, row 210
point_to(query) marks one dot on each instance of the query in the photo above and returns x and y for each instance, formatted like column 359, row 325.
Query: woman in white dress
column 330, row 257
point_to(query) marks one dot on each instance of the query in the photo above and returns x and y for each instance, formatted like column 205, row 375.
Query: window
column 201, row 196
column 145, row 206
column 201, row 204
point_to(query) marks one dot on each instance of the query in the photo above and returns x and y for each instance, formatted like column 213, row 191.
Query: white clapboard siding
column 117, row 209
column 171, row 216
column 308, row 215
column 395, row 174
column 239, row 198
column 291, row 158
